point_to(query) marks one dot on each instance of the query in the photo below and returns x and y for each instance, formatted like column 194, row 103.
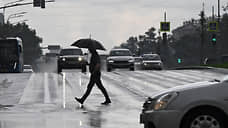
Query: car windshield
column 120, row 53
column 151, row 57
column 71, row 52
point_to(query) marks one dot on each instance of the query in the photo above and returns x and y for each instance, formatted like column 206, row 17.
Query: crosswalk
column 52, row 95
column 147, row 82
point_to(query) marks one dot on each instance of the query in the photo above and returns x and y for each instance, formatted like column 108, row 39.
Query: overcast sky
column 109, row 21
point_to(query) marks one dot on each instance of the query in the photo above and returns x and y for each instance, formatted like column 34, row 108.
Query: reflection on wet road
column 44, row 100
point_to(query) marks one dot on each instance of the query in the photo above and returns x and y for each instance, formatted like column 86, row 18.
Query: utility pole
column 219, row 45
column 202, row 22
column 164, row 35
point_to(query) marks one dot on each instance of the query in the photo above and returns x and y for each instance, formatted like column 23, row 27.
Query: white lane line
column 133, row 80
column 175, row 77
column 160, row 79
column 25, row 97
column 46, row 89
column 64, row 90
column 205, row 74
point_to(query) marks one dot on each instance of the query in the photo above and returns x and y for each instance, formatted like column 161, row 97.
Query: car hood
column 70, row 56
column 151, row 61
column 120, row 58
column 187, row 87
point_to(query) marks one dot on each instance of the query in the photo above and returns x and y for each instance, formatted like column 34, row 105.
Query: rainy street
column 32, row 100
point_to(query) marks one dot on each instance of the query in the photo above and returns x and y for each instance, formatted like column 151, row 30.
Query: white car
column 120, row 58
column 198, row 105
column 151, row 61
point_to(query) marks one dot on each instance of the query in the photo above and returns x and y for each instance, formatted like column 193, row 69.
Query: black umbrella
column 86, row 43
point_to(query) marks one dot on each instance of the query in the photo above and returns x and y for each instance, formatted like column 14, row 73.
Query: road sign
column 213, row 26
column 165, row 26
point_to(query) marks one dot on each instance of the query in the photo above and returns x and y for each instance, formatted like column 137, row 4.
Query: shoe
column 79, row 100
column 106, row 103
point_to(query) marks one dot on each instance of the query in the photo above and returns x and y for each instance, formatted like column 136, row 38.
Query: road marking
column 64, row 90
column 46, row 89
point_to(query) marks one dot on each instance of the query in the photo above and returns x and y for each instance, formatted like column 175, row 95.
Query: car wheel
column 149, row 125
column 204, row 119
column 109, row 69
column 59, row 69
column 84, row 68
column 132, row 69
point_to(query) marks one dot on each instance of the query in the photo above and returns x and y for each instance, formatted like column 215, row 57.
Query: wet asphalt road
column 45, row 100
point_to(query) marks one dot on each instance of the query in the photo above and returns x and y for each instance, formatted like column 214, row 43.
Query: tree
column 31, row 41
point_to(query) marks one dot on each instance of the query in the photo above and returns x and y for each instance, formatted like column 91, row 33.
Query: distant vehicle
column 71, row 58
column 138, row 60
column 11, row 55
column 197, row 105
column 51, row 57
column 151, row 61
column 120, row 58
column 28, row 69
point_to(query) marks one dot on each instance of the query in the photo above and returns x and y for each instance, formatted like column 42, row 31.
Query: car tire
column 206, row 116
column 149, row 125
column 84, row 68
column 109, row 69
column 59, row 69
column 132, row 69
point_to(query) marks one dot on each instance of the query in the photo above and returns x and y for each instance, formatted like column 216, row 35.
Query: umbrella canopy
column 87, row 43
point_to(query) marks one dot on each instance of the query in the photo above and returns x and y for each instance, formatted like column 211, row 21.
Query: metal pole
column 213, row 13
column 165, row 16
column 202, row 20
column 218, row 10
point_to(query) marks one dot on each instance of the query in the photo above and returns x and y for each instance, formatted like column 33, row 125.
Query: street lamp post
column 10, row 3
column 22, row 21
column 16, row 15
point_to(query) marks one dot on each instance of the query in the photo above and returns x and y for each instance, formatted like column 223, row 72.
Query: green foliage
column 31, row 41
column 224, row 65
column 187, row 45
column 142, row 44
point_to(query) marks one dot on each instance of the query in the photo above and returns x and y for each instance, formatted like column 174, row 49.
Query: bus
column 11, row 55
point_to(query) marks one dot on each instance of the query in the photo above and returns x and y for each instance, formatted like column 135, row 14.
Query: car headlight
column 131, row 60
column 164, row 100
column 111, row 61
column 63, row 59
column 79, row 59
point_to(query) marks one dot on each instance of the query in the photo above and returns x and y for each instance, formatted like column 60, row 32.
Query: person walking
column 95, row 78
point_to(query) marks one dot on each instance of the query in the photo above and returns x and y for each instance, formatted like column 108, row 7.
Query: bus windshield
column 8, row 48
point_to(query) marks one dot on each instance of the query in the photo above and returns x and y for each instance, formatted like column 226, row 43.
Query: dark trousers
column 95, row 78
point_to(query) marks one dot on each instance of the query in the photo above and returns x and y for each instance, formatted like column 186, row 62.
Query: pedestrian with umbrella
column 94, row 68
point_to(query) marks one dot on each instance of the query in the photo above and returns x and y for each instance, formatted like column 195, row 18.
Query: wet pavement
column 44, row 100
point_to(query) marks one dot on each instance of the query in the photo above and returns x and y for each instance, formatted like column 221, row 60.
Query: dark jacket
column 95, row 59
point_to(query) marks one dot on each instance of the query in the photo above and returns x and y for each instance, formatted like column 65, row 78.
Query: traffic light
column 42, row 2
column 213, row 39
column 36, row 3
column 179, row 60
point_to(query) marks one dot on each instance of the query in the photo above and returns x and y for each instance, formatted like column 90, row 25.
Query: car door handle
column 226, row 99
